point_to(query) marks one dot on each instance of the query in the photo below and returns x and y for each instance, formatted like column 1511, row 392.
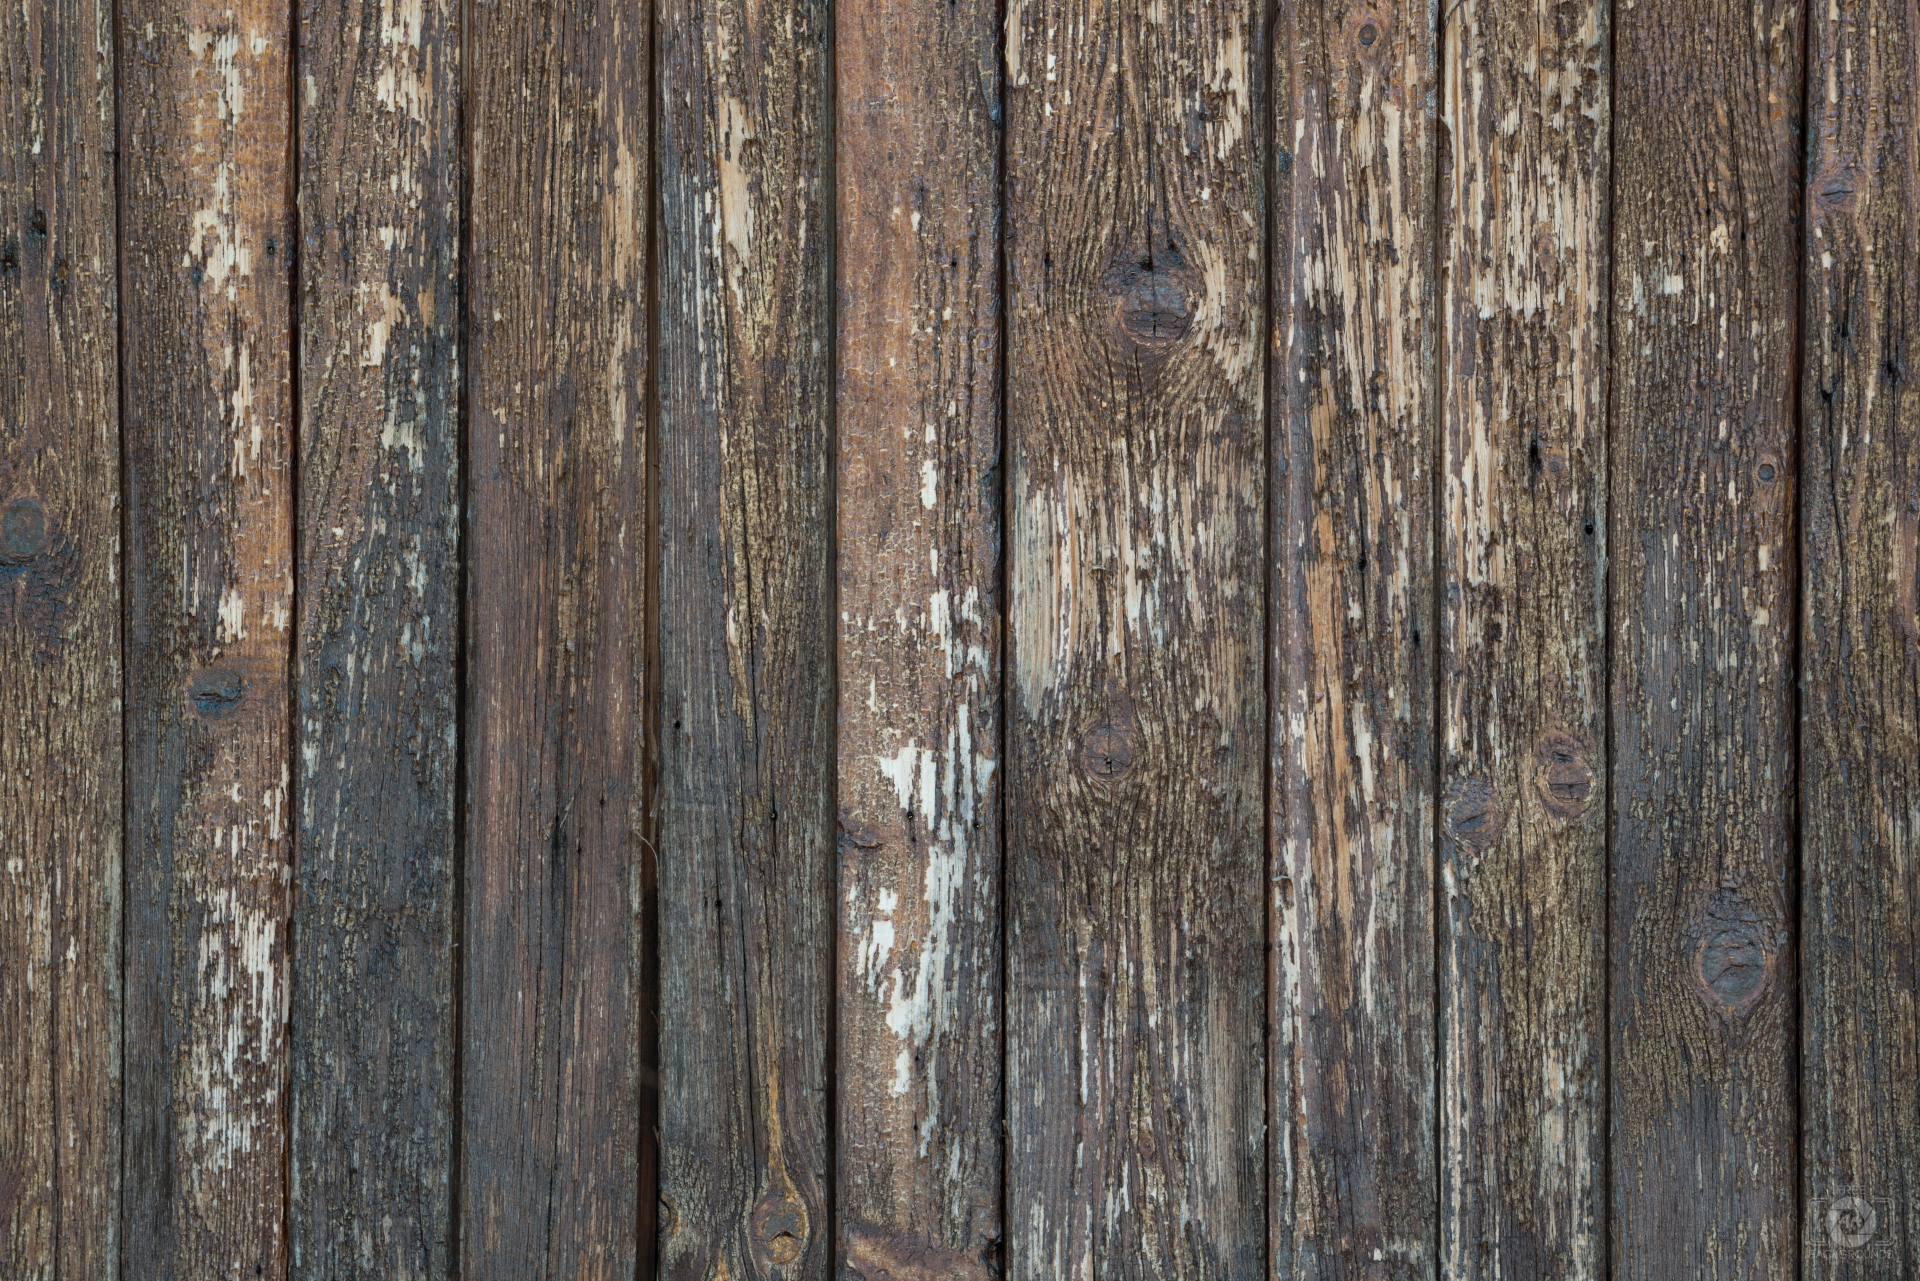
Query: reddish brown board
column 378, row 635
column 207, row 354
column 746, row 641
column 1706, row 187
column 917, row 208
column 1860, row 630
column 60, row 752
column 1136, row 281
column 552, row 939
column 1352, row 1124
column 1523, row 718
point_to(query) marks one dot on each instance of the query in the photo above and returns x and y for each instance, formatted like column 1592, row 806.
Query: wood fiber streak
column 552, row 933
column 1353, row 1121
column 1705, row 242
column 377, row 639
column 1523, row 963
column 1136, row 284
column 60, row 752
column 919, row 965
column 747, row 688
column 1860, row 727
column 207, row 356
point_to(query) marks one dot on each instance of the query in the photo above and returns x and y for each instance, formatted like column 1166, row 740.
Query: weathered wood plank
column 60, row 754
column 1523, row 964
column 1705, row 242
column 207, row 355
column 918, row 263
column 747, row 693
column 1352, row 933
column 1860, row 726
column 1136, row 733
column 378, row 628
column 552, row 938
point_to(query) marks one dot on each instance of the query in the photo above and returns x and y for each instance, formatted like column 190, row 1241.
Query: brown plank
column 1352, row 930
column 377, row 636
column 1860, row 683
column 207, row 354
column 746, row 594
column 918, row 425
column 1705, row 241
column 553, row 938
column 1523, row 962
column 1136, row 732
column 60, row 754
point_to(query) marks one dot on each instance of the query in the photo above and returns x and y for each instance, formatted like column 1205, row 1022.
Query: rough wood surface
column 552, row 939
column 1354, row 431
column 1705, row 243
column 746, row 634
column 1860, row 726
column 207, row 356
column 377, row 636
column 918, row 266
column 60, row 757
column 1136, row 733
column 1523, row 961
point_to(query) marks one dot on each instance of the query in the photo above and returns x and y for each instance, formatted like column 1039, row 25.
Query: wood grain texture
column 1353, row 1121
column 1705, row 242
column 746, row 598
column 1860, row 699
column 1523, row 963
column 553, row 937
column 1136, row 434
column 919, row 964
column 377, row 637
column 207, row 355
column 60, row 753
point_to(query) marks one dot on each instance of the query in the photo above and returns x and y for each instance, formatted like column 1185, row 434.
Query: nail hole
column 1369, row 34
column 1766, row 471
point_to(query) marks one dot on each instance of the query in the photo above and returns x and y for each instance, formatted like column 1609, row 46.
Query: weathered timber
column 1860, row 632
column 377, row 635
column 746, row 715
column 1706, row 239
column 60, row 753
column 1523, row 717
column 1136, row 732
column 919, row 966
column 552, row 937
column 1352, row 1111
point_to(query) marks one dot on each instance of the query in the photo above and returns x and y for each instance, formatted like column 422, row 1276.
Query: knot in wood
column 1107, row 752
column 1473, row 814
column 1564, row 778
column 217, row 691
column 1735, row 950
column 1153, row 296
column 780, row 1227
column 23, row 528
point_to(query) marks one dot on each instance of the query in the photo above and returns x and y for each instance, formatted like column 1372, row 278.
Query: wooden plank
column 1860, row 700
column 1136, row 733
column 60, row 755
column 377, row 635
column 1523, row 962
column 919, row 966
column 1352, row 929
column 553, row 937
column 1705, row 238
column 205, row 215
column 746, row 597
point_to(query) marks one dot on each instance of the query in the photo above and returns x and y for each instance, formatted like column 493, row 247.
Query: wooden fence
column 935, row 640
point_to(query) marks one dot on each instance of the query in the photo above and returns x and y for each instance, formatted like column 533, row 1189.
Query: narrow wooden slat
column 205, row 215
column 746, row 593
column 1705, row 242
column 1860, row 727
column 919, row 1071
column 60, row 751
column 1136, row 430
column 552, row 938
column 1352, row 1109
column 378, row 622
column 1523, row 965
